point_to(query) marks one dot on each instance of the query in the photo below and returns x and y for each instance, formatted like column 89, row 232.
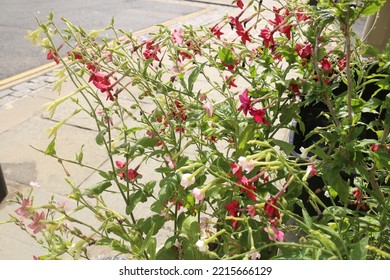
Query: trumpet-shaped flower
column 187, row 180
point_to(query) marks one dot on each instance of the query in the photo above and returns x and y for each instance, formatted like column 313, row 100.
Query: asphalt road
column 17, row 16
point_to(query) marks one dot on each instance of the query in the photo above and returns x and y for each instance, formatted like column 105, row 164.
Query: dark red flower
column 53, row 55
column 301, row 16
column 325, row 64
column 248, row 188
column 304, row 51
column 270, row 208
column 151, row 50
column 233, row 209
column 240, row 4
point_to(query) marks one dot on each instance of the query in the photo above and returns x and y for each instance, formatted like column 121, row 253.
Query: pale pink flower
column 198, row 194
column 177, row 36
column 34, row 184
column 23, row 211
column 171, row 163
column 37, row 225
column 255, row 256
column 187, row 180
column 209, row 109
column 63, row 204
column 252, row 210
column 245, row 164
column 274, row 234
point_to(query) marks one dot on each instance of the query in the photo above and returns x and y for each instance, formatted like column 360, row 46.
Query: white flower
column 245, row 164
column 187, row 180
column 34, row 184
column 202, row 246
column 303, row 152
column 198, row 194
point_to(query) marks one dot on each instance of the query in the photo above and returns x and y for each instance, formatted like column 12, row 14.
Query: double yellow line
column 41, row 70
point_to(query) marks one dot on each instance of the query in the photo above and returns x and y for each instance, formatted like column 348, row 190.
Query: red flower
column 102, row 82
column 304, row 51
column 120, row 164
column 53, row 55
column 240, row 4
column 267, row 35
column 151, row 50
column 270, row 208
column 258, row 115
column 248, row 188
column 325, row 64
column 301, row 16
column 245, row 102
column 312, row 170
column 233, row 208
column 231, row 82
column 236, row 169
column 217, row 31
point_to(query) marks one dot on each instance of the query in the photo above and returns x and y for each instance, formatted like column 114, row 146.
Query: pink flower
column 23, row 210
column 187, row 180
column 120, row 164
column 34, row 185
column 37, row 224
column 171, row 163
column 198, row 194
column 274, row 234
column 245, row 164
column 312, row 170
column 177, row 36
column 251, row 210
column 236, row 169
column 209, row 109
column 245, row 102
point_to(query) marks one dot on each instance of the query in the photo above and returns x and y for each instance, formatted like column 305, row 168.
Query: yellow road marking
column 41, row 70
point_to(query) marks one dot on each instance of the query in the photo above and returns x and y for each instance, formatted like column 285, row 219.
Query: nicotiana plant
column 207, row 126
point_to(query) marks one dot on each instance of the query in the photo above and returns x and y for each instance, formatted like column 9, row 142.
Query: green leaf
column 286, row 147
column 98, row 188
column 100, row 137
column 134, row 199
column 51, row 148
column 306, row 217
column 79, row 156
column 371, row 7
column 194, row 76
column 191, row 229
column 245, row 136
column 147, row 142
column 226, row 55
column 147, row 240
column 359, row 252
column 154, row 222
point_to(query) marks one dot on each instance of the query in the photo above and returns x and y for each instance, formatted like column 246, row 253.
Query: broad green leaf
column 245, row 136
column 191, row 228
column 134, row 199
column 98, row 188
column 100, row 137
column 371, row 7
column 359, row 252
column 226, row 55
